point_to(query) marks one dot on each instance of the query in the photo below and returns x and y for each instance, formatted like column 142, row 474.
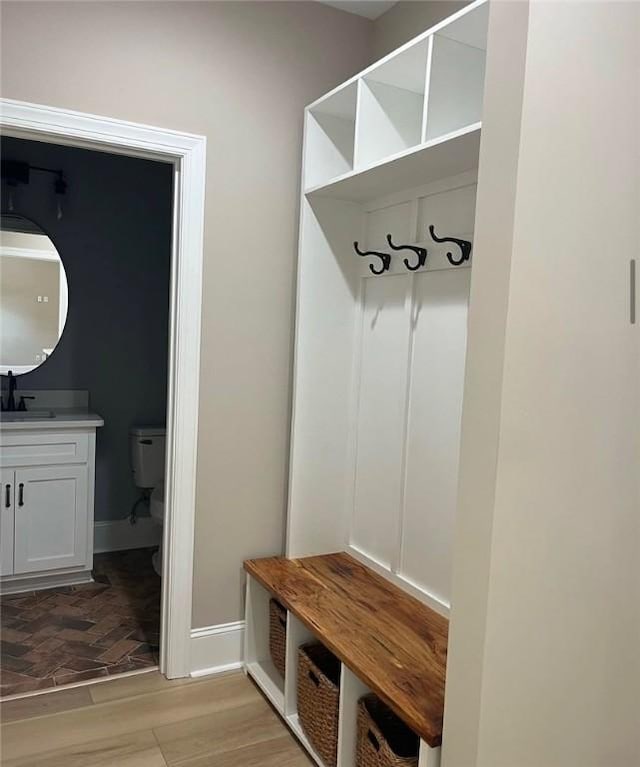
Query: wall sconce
column 15, row 173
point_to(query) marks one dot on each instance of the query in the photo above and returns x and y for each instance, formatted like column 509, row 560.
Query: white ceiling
column 371, row 9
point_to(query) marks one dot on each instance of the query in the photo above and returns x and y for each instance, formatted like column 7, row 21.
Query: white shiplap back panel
column 391, row 219
column 410, row 353
column 433, row 429
column 452, row 212
column 380, row 421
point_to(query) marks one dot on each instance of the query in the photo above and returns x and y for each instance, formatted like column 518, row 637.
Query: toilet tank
column 147, row 446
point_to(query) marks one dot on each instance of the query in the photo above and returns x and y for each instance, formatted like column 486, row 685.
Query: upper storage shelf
column 414, row 101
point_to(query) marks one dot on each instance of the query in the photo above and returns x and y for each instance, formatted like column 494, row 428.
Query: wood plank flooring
column 148, row 721
column 391, row 641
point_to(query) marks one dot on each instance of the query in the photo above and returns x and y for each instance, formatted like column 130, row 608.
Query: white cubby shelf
column 419, row 100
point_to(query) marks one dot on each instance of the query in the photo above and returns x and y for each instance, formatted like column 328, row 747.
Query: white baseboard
column 215, row 649
column 53, row 579
column 118, row 535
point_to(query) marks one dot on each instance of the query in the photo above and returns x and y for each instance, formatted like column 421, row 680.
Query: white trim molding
column 215, row 649
column 53, row 579
column 186, row 153
column 120, row 534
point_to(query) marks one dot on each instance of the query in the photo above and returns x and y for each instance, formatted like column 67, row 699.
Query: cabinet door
column 50, row 518
column 7, row 505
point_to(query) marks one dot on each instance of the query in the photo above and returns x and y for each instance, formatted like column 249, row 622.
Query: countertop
column 50, row 419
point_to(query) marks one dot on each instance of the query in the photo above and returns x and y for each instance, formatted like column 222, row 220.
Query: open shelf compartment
column 258, row 663
column 330, row 136
column 456, row 74
column 297, row 635
column 351, row 690
column 391, row 106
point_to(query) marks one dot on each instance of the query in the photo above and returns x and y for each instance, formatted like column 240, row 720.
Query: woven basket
column 277, row 635
column 319, row 699
column 383, row 739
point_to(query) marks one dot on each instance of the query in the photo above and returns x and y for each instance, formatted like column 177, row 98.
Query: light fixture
column 14, row 173
column 60, row 188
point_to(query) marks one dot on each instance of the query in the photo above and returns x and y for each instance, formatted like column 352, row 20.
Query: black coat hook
column 385, row 258
column 464, row 245
column 420, row 252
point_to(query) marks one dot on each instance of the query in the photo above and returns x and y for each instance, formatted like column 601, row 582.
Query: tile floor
column 57, row 636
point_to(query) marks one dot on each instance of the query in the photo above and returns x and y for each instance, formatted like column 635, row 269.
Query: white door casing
column 186, row 152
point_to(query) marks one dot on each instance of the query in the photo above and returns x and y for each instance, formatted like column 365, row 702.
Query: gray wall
column 239, row 73
column 543, row 667
column 407, row 19
column 26, row 325
column 115, row 243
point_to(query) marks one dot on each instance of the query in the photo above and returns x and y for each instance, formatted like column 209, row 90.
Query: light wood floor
column 147, row 721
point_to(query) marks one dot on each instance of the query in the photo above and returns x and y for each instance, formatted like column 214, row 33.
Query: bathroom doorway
column 84, row 327
column 184, row 154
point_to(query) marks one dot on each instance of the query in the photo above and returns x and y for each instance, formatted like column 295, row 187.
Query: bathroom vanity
column 47, row 437
column 47, row 469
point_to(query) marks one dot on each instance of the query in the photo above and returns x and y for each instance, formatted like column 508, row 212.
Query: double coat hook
column 420, row 252
column 384, row 257
column 464, row 245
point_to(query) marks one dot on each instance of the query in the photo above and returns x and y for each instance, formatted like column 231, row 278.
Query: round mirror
column 33, row 295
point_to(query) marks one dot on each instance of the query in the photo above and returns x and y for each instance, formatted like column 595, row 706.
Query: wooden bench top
column 395, row 644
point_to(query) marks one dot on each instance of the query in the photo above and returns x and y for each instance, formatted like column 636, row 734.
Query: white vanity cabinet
column 7, row 519
column 46, row 521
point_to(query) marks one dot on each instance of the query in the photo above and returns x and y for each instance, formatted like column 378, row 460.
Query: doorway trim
column 187, row 153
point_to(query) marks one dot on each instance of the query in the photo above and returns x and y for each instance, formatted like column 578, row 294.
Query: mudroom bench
column 386, row 641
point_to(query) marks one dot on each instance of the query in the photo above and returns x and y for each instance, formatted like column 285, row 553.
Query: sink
column 27, row 415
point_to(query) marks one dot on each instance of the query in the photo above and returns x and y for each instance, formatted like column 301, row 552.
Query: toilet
column 147, row 448
column 156, row 510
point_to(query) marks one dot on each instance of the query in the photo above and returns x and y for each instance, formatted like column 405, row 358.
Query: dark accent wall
column 115, row 242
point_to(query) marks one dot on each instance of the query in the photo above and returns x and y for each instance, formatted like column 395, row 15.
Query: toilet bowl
column 156, row 510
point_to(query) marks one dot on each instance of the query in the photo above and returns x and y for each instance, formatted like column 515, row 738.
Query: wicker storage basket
column 383, row 739
column 277, row 635
column 319, row 699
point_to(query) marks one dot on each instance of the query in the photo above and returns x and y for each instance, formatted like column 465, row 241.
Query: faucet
column 11, row 400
